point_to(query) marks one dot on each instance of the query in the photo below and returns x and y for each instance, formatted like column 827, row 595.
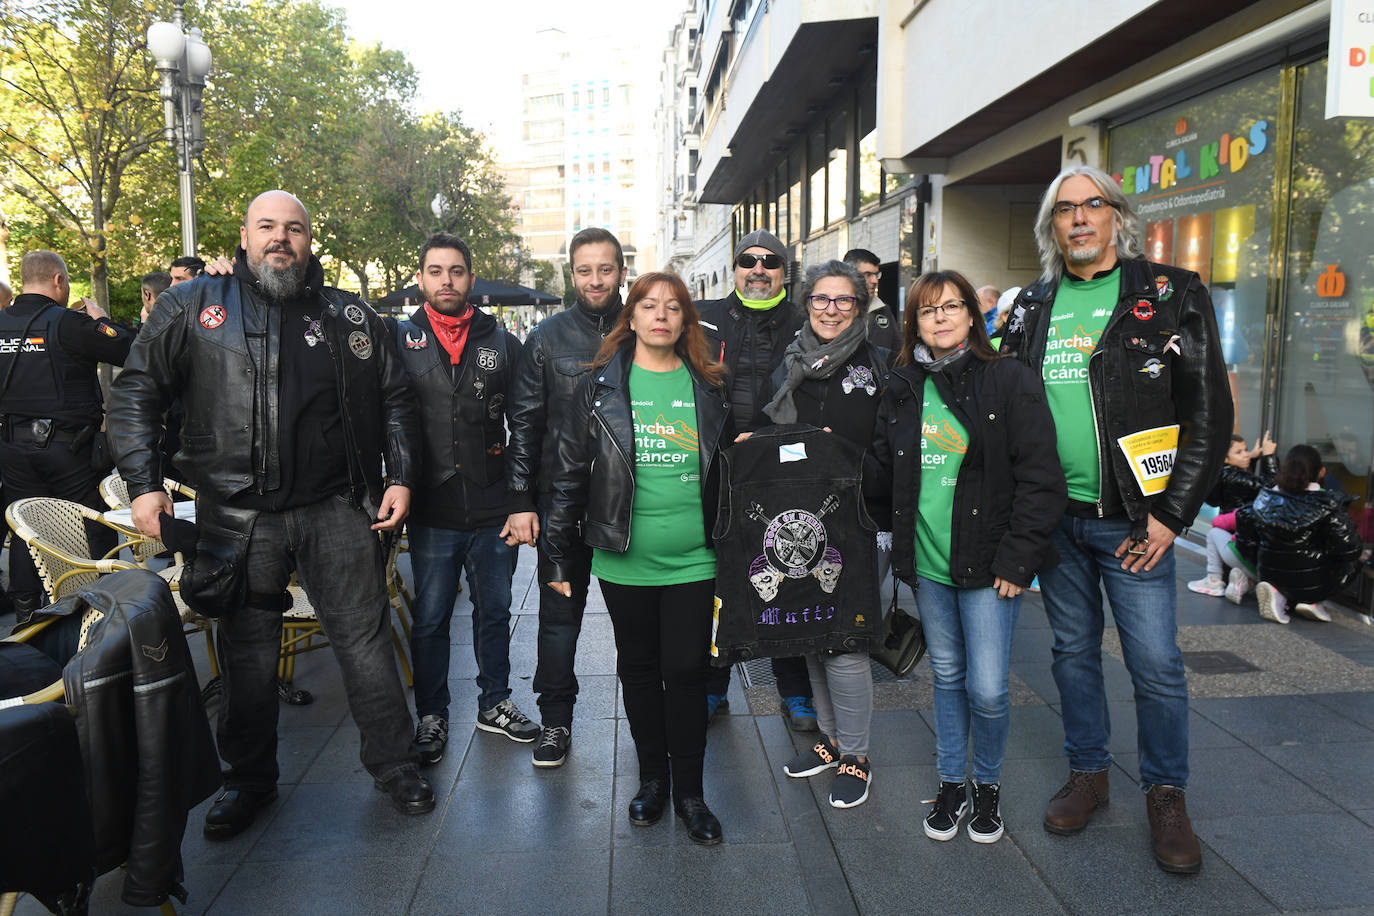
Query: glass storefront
column 1293, row 290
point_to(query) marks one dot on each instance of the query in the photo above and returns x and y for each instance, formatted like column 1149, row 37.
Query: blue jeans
column 437, row 557
column 340, row 564
column 1144, row 607
column 968, row 636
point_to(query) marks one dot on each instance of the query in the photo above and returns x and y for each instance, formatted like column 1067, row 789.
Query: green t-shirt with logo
column 667, row 529
column 944, row 440
column 1081, row 310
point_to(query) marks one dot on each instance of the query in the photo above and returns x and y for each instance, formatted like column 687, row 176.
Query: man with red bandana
column 460, row 362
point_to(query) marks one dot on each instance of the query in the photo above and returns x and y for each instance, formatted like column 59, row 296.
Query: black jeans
column 662, row 635
column 340, row 564
column 560, row 623
column 789, row 673
column 52, row 471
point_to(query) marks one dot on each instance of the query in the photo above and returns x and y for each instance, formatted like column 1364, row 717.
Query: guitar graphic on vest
column 794, row 547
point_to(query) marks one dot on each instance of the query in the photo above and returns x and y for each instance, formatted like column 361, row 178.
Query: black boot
column 647, row 807
column 702, row 826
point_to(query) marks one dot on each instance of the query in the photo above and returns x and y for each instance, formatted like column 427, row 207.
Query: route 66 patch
column 487, row 359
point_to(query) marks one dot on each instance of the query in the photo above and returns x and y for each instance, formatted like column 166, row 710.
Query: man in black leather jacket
column 1134, row 376
column 293, row 397
column 557, row 354
column 748, row 331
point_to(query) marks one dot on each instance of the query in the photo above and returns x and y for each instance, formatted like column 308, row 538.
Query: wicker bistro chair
column 55, row 532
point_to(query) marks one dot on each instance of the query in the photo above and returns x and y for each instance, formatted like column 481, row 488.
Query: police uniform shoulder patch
column 359, row 344
column 354, row 313
column 107, row 330
column 212, row 316
column 488, row 359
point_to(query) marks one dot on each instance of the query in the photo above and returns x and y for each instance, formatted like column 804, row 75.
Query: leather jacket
column 1010, row 492
column 462, row 408
column 1157, row 363
column 750, row 343
column 594, row 478
column 144, row 737
column 1304, row 544
column 216, row 342
column 557, row 353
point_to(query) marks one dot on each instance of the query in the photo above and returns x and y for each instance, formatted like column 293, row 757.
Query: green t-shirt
column 943, row 444
column 667, row 530
column 1081, row 310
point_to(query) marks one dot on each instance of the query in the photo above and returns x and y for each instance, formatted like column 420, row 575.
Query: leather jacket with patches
column 557, row 353
column 462, row 407
column 594, row 478
column 1157, row 363
column 216, row 342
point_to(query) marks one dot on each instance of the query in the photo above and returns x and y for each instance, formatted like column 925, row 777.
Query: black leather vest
column 47, row 381
column 463, row 412
column 797, row 567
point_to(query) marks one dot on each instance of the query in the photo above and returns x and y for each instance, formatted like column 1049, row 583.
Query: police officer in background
column 50, row 402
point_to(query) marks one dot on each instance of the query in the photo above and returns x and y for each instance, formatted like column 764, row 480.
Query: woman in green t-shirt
column 635, row 468
column 977, row 488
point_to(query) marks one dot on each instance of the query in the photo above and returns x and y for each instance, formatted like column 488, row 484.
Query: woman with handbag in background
column 976, row 486
column 635, row 466
column 832, row 377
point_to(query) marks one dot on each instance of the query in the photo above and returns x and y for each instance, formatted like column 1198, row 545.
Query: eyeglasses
column 951, row 308
column 1064, row 209
column 748, row 261
column 842, row 303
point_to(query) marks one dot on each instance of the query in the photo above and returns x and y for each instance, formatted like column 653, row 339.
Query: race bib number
column 1151, row 453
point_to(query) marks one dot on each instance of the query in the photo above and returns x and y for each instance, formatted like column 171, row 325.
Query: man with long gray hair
column 1134, row 377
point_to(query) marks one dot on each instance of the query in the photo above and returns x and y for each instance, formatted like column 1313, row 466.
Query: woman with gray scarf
column 832, row 377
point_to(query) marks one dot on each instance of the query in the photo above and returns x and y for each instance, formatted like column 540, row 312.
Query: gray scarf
column 921, row 356
column 810, row 357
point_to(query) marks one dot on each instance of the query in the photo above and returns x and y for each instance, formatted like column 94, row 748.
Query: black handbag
column 214, row 579
column 902, row 642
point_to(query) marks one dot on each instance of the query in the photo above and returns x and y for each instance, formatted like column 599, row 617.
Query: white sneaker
column 1272, row 605
column 1237, row 586
column 1212, row 585
column 1314, row 611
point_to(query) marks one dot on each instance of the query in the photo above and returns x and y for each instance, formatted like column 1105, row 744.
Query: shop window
column 1326, row 375
column 1201, row 176
column 837, row 182
column 870, row 172
column 794, row 196
column 816, row 161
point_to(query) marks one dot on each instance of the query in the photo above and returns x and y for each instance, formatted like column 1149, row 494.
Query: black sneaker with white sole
column 850, row 788
column 947, row 808
column 819, row 757
column 553, row 746
column 505, row 718
column 985, row 826
column 430, row 737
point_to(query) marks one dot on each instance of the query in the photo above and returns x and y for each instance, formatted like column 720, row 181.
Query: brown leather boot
column 1176, row 847
column 1073, row 806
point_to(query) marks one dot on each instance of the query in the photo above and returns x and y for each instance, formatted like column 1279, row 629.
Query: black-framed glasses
column 1064, row 209
column 748, row 261
column 841, row 303
column 952, row 308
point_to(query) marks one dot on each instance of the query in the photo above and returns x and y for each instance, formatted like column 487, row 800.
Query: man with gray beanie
column 748, row 331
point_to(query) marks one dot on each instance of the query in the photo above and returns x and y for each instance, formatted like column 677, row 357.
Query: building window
column 816, row 161
column 870, row 172
column 837, row 166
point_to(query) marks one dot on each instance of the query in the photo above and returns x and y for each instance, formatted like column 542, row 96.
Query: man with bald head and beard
column 294, row 399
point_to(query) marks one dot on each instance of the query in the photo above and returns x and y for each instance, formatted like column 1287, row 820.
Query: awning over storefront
column 484, row 293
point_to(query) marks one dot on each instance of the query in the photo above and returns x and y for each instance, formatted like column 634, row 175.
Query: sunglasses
column 749, row 261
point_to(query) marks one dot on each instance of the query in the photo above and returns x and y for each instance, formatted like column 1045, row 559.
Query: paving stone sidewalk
column 1281, row 763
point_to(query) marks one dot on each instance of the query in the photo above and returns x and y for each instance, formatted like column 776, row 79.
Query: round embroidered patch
column 1143, row 310
column 212, row 316
column 360, row 344
column 354, row 313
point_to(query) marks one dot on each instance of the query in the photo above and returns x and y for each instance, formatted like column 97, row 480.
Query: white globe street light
column 183, row 60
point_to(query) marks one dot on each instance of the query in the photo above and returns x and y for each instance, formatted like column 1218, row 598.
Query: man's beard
column 280, row 282
column 605, row 303
column 753, row 291
column 1083, row 255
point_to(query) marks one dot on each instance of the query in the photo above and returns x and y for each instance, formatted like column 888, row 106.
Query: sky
column 468, row 53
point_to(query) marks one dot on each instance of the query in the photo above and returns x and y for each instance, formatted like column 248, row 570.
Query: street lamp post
column 183, row 60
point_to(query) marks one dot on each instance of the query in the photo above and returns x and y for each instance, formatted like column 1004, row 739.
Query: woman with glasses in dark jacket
column 635, row 467
column 976, row 487
column 831, row 377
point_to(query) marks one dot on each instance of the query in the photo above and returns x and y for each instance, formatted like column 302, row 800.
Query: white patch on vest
column 354, row 313
column 417, row 343
column 360, row 344
column 487, row 359
column 794, row 452
column 212, row 316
